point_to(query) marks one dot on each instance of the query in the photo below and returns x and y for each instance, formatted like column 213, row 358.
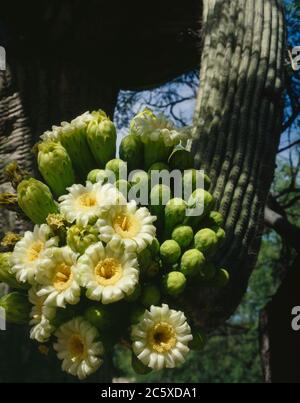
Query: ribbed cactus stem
column 237, row 127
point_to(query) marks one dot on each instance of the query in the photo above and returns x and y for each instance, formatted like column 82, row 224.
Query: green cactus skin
column 76, row 145
column 174, row 214
column 17, row 307
column 132, row 151
column 102, row 136
column 237, row 125
column 221, row 278
column 206, row 241
column 158, row 166
column 6, row 276
column 208, row 272
column 181, row 159
column 35, row 200
column 160, row 194
column 174, row 283
column 138, row 366
column 136, row 313
column 192, row 262
column 55, row 166
column 156, row 151
column 170, row 252
column 154, row 248
column 150, row 296
column 144, row 259
column 80, row 238
column 135, row 295
column 183, row 235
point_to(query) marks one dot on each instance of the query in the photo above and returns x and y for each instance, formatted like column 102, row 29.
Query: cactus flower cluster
column 115, row 246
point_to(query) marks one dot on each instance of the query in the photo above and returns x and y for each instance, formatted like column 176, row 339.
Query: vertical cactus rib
column 237, row 126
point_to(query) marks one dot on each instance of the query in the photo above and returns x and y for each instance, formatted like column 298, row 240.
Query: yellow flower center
column 76, row 347
column 162, row 337
column 87, row 200
column 108, row 271
column 62, row 277
column 127, row 226
column 35, row 250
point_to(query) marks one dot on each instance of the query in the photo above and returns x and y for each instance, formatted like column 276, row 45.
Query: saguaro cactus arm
column 236, row 129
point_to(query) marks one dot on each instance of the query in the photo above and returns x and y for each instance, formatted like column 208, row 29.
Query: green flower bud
column 150, row 296
column 199, row 340
column 192, row 262
column 183, row 235
column 158, row 166
column 118, row 167
column 134, row 125
column 136, row 313
column 181, row 159
column 99, row 316
column 132, row 151
column 199, row 204
column 101, row 136
column 35, row 200
column 74, row 140
column 221, row 235
column 213, row 221
column 216, row 218
column 6, row 276
column 123, row 186
column 174, row 214
column 135, row 295
column 174, row 283
column 97, row 175
column 55, row 166
column 170, row 252
column 138, row 366
column 17, row 307
column 192, row 179
column 221, row 278
column 206, row 241
column 79, row 238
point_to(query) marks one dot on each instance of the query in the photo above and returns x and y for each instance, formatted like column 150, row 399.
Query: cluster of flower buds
column 117, row 244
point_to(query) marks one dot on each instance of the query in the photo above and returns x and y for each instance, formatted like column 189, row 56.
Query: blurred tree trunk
column 279, row 343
